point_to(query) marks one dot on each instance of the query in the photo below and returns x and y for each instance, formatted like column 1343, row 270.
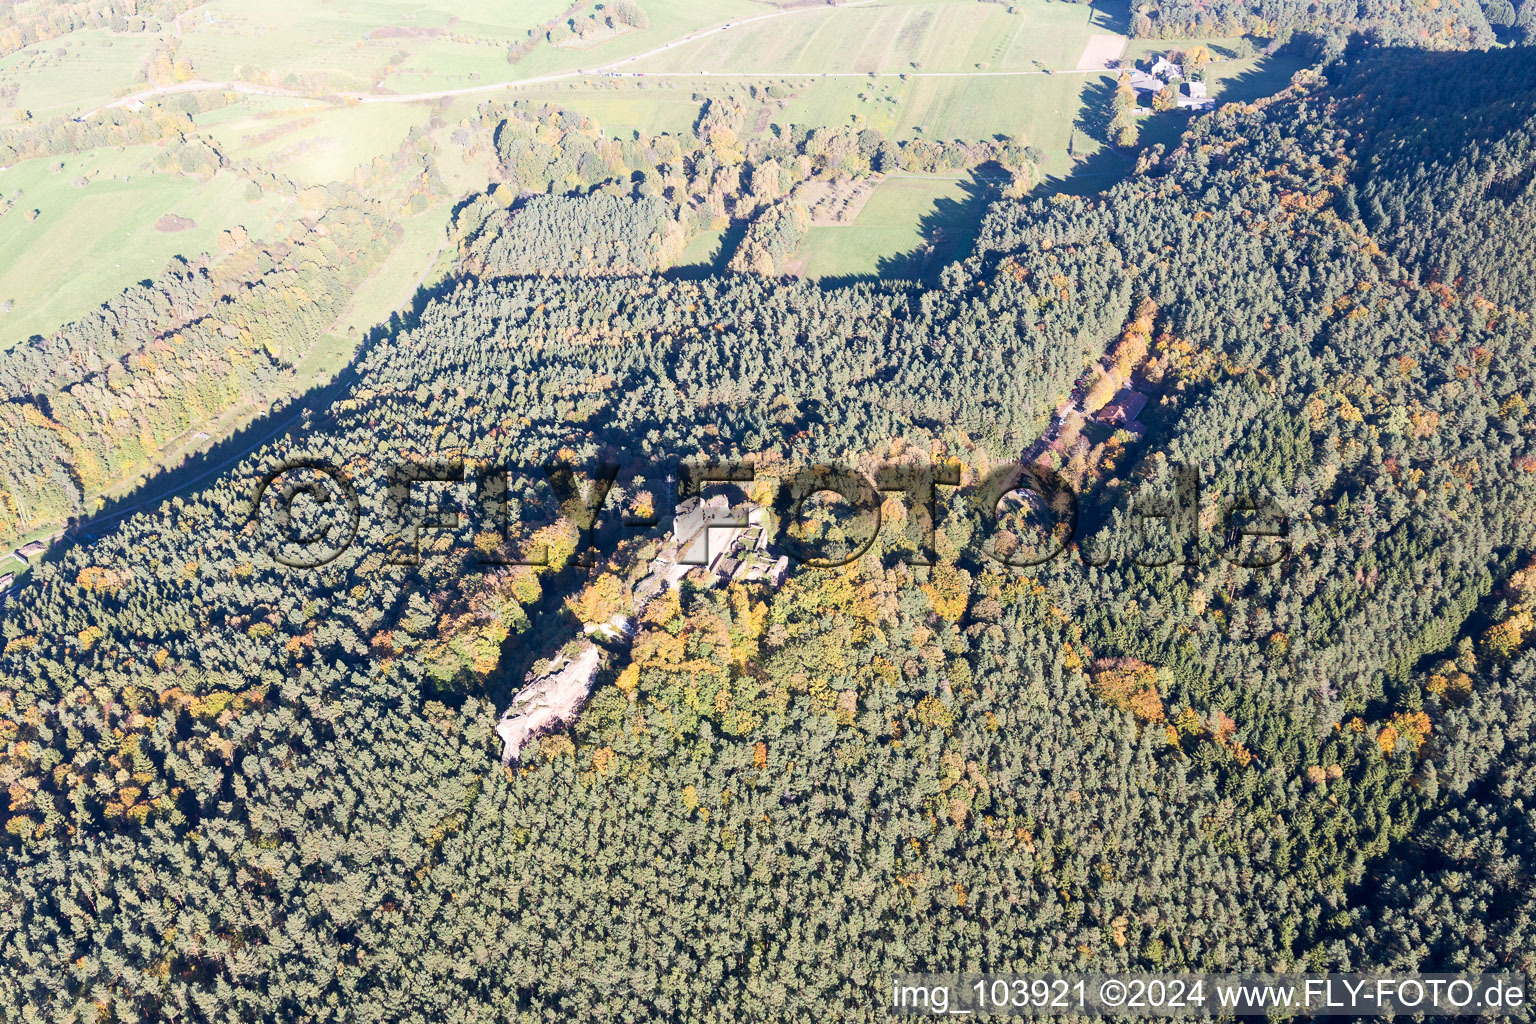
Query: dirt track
column 1101, row 49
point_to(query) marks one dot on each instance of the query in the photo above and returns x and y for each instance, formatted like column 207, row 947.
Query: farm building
column 1123, row 408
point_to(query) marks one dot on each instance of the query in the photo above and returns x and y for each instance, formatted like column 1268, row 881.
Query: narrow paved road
column 848, row 74
column 196, row 85
column 200, row 85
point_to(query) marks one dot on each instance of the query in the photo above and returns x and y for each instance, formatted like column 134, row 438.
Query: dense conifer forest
column 245, row 791
column 1453, row 25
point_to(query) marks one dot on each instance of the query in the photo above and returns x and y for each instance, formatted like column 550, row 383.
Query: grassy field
column 703, row 249
column 1254, row 77
column 443, row 66
column 916, row 35
column 394, row 284
column 625, row 105
column 90, row 242
column 94, row 65
column 936, row 69
column 278, row 38
column 350, row 44
column 904, row 214
column 1041, row 110
column 1038, row 109
column 324, row 360
column 313, row 142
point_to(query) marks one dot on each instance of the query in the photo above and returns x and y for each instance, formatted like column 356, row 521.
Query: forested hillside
column 566, row 200
column 1457, row 24
column 101, row 400
column 116, row 393
column 240, row 791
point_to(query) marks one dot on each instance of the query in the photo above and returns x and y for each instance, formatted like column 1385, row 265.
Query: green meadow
column 623, row 106
column 89, row 242
column 315, row 142
column 446, row 63
column 933, row 69
column 905, row 214
column 920, row 35
column 351, row 45
column 60, row 76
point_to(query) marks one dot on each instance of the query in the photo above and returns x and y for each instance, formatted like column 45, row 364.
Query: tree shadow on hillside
column 949, row 230
column 1096, row 109
column 951, row 225
column 1089, row 175
column 299, row 413
column 718, row 261
column 1111, row 16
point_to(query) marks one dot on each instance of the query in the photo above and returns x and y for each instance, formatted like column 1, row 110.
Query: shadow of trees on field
column 1096, row 110
column 1089, row 175
column 1111, row 16
column 949, row 229
column 300, row 412
column 718, row 261
column 1267, row 77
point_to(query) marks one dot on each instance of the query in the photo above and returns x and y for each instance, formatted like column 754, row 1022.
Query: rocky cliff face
column 721, row 543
